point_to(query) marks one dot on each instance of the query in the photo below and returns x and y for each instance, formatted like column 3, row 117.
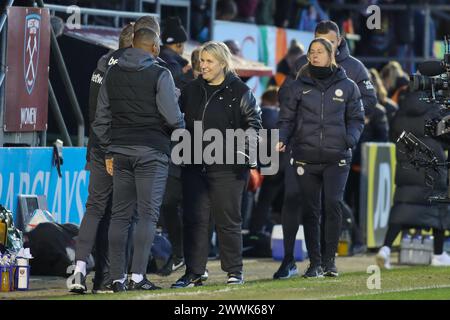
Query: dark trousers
column 291, row 210
column 329, row 179
column 95, row 223
column 351, row 196
column 139, row 184
column 171, row 215
column 270, row 188
column 218, row 194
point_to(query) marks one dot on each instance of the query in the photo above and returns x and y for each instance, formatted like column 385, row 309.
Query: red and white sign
column 27, row 60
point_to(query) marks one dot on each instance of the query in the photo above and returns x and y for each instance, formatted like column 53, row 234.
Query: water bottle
column 405, row 249
column 3, row 232
column 428, row 245
column 447, row 245
column 344, row 244
column 417, row 249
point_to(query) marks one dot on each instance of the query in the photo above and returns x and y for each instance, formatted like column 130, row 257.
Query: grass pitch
column 399, row 284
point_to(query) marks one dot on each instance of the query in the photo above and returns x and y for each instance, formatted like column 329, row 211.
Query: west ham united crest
column 31, row 50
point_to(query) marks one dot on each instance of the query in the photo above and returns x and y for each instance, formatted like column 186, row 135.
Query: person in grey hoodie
column 136, row 111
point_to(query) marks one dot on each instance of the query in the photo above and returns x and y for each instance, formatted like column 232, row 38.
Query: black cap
column 173, row 32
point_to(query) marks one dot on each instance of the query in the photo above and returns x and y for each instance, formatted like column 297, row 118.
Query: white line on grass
column 378, row 292
column 187, row 293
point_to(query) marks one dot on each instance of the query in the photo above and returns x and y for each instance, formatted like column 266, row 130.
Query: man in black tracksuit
column 355, row 71
column 95, row 223
column 174, row 37
column 136, row 111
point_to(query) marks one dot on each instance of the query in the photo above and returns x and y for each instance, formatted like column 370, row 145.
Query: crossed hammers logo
column 31, row 52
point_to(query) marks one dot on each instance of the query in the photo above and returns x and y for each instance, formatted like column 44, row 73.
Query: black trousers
column 218, row 194
column 291, row 210
column 270, row 188
column 313, row 180
column 95, row 223
column 351, row 196
column 139, row 184
column 171, row 215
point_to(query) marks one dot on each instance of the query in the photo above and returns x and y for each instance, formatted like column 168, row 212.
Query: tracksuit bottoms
column 139, row 183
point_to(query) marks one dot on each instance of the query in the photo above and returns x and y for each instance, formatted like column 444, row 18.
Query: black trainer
column 78, row 284
column 329, row 269
column 188, row 280
column 286, row 270
column 177, row 263
column 145, row 284
column 313, row 271
column 102, row 288
column 235, row 278
column 205, row 276
column 118, row 287
column 172, row 265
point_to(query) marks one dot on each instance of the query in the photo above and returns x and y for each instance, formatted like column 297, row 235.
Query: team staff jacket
column 354, row 69
column 322, row 119
column 231, row 106
column 137, row 104
column 104, row 63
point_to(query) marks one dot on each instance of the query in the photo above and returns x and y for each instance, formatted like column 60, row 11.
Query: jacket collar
column 168, row 54
column 342, row 51
column 229, row 78
column 305, row 76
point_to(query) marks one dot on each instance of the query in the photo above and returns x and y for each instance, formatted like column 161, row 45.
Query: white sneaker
column 440, row 260
column 383, row 258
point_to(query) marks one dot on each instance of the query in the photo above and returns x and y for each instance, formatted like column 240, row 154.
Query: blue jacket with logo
column 354, row 69
column 322, row 119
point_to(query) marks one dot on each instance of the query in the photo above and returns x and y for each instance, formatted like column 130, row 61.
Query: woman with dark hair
column 220, row 101
column 324, row 117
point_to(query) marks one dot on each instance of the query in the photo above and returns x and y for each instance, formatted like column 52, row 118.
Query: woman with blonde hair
column 390, row 105
column 218, row 100
column 395, row 79
column 324, row 118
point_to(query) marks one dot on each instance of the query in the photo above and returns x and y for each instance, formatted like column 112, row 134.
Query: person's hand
column 177, row 92
column 280, row 147
column 186, row 68
column 109, row 166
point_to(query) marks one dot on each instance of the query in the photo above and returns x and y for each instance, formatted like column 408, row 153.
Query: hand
column 109, row 165
column 177, row 92
column 280, row 147
column 186, row 68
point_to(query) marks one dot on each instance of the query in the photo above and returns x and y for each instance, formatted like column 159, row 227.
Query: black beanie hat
column 173, row 32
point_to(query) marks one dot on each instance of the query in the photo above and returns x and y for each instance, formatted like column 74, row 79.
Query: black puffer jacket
column 323, row 118
column 175, row 63
column 411, row 205
column 354, row 69
column 233, row 103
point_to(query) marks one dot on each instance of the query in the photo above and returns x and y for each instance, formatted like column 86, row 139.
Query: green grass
column 419, row 294
column 402, row 283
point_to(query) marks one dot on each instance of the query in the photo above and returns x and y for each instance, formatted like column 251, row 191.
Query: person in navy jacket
column 322, row 120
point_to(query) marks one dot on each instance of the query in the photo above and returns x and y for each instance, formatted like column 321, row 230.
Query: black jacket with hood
column 232, row 103
column 323, row 119
column 413, row 188
column 104, row 63
column 137, row 104
column 175, row 63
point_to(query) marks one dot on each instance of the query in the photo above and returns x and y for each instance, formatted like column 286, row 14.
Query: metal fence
column 86, row 12
column 441, row 11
